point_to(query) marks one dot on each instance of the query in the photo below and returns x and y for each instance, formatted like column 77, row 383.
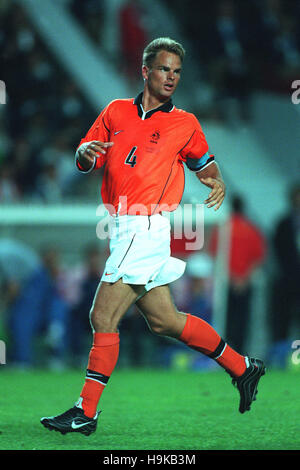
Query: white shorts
column 140, row 251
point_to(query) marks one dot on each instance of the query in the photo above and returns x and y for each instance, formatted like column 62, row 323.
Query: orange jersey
column 144, row 171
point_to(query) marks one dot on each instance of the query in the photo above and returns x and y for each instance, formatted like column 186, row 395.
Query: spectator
column 47, row 186
column 286, row 292
column 59, row 153
column 38, row 131
column 72, row 105
column 270, row 12
column 199, row 272
column 9, row 192
column 39, row 309
column 287, row 46
column 246, row 252
column 278, row 54
column 24, row 164
column 133, row 37
column 17, row 263
column 91, row 14
column 86, row 280
column 227, row 57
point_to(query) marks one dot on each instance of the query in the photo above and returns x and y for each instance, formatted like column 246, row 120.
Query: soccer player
column 143, row 144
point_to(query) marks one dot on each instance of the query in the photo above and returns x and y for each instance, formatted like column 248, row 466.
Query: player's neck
column 150, row 101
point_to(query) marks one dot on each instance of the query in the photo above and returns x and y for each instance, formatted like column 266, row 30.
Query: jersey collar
column 165, row 108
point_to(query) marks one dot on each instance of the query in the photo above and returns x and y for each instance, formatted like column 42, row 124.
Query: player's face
column 163, row 76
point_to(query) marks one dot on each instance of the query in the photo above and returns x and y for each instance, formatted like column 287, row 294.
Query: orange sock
column 199, row 335
column 102, row 360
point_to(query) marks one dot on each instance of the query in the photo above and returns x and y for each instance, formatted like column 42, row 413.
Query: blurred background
column 62, row 61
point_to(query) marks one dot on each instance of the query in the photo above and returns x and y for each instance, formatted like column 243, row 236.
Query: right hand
column 93, row 149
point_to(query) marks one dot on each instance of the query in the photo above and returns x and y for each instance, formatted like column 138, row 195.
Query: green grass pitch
column 152, row 410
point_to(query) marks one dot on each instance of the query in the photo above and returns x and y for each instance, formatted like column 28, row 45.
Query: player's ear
column 145, row 72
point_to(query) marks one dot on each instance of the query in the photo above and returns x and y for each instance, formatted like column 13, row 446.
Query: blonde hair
column 161, row 44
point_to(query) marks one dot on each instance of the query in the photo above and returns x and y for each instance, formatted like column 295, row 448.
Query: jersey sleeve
column 195, row 152
column 99, row 131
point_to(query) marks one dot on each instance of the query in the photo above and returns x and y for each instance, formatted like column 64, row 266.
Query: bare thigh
column 111, row 302
column 160, row 312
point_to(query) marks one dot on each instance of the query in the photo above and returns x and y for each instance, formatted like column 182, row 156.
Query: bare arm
column 211, row 177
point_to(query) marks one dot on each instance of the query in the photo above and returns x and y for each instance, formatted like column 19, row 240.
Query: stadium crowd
column 252, row 45
column 42, row 120
column 255, row 44
column 47, row 303
column 241, row 47
column 44, row 307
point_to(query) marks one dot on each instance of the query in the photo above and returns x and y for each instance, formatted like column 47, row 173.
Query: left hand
column 217, row 194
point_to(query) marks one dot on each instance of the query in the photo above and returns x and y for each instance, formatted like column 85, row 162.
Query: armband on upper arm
column 198, row 164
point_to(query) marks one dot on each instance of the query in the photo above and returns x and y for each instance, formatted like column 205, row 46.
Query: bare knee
column 110, row 304
column 101, row 322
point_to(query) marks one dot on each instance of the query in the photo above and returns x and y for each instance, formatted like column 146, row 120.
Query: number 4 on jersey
column 131, row 158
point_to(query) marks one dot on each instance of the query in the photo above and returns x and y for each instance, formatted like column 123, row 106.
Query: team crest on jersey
column 155, row 137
